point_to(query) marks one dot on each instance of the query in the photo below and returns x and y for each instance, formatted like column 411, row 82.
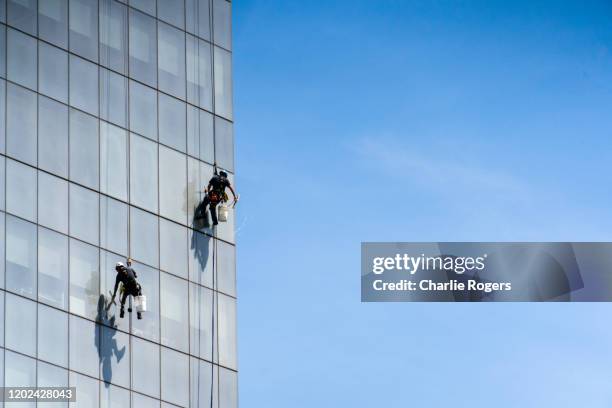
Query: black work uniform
column 130, row 286
column 215, row 195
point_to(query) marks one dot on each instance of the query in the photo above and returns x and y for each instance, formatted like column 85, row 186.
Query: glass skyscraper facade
column 112, row 115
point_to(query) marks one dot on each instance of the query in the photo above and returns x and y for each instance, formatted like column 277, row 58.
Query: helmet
column 223, row 173
column 119, row 265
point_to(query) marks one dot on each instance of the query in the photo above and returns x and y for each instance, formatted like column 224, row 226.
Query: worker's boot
column 139, row 315
column 121, row 313
column 130, row 309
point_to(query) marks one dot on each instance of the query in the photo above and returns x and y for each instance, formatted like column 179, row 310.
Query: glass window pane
column 21, row 190
column 200, row 134
column 227, row 331
column 53, row 72
column 171, row 59
column 172, row 11
column 174, row 377
column 145, row 367
column 52, row 268
column 113, row 97
column 223, row 83
column 143, row 110
column 144, row 242
column 88, row 395
column 83, row 346
column 200, row 258
column 52, row 136
column 51, row 376
column 84, row 85
column 173, row 248
column 2, row 112
column 198, row 18
column 114, row 397
column 2, row 260
column 22, row 15
column 84, row 149
column 173, row 185
column 113, row 156
column 202, row 373
column 226, row 268
column 113, row 36
column 140, row 401
column 222, row 22
column 20, row 371
column 84, row 210
column 114, row 355
column 228, row 388
column 21, row 123
column 200, row 321
column 53, row 335
column 22, row 58
column 199, row 73
column 53, row 202
column 53, row 21
column 84, row 28
column 148, row 327
column 148, row 6
column 224, row 143
column 143, row 172
column 84, row 279
column 20, row 330
column 21, row 257
column 172, row 118
column 175, row 313
column 113, row 225
column 143, row 48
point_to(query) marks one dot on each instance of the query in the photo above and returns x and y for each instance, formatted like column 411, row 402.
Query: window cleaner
column 216, row 195
column 126, row 276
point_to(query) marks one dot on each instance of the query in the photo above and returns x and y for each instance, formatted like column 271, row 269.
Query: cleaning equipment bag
column 223, row 212
column 140, row 303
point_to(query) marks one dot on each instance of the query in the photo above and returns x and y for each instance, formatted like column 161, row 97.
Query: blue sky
column 417, row 121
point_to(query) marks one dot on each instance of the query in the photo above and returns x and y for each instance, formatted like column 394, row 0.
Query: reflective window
column 173, row 248
column 198, row 175
column 223, row 83
column 2, row 49
column 21, row 257
column 22, row 15
column 2, row 111
column 84, row 28
column 145, row 367
column 19, row 371
column 2, row 259
column 83, row 352
column 200, row 134
column 113, row 225
column 175, row 313
column 21, row 123
column 53, row 335
column 21, row 190
column 172, row 184
column 110, row 317
column 84, row 279
column 200, row 321
column 53, row 21
column 84, row 85
column 113, row 161
column 141, row 401
column 171, row 59
column 52, row 268
column 227, row 331
column 201, row 379
column 22, row 58
column 172, row 11
column 199, row 73
column 53, row 72
column 84, row 210
column 51, row 376
column 148, row 6
column 148, row 327
column 174, row 377
column 198, row 18
column 113, row 97
column 144, row 241
column 114, row 356
column 143, row 48
column 114, row 397
column 52, row 136
column 53, row 202
column 113, row 35
column 222, row 23
column 143, row 110
column 143, row 172
column 20, row 330
column 172, row 118
column 88, row 391
column 226, row 268
column 224, row 143
column 83, row 149
column 228, row 388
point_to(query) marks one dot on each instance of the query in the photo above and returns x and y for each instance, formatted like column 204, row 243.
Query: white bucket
column 140, row 303
column 223, row 212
